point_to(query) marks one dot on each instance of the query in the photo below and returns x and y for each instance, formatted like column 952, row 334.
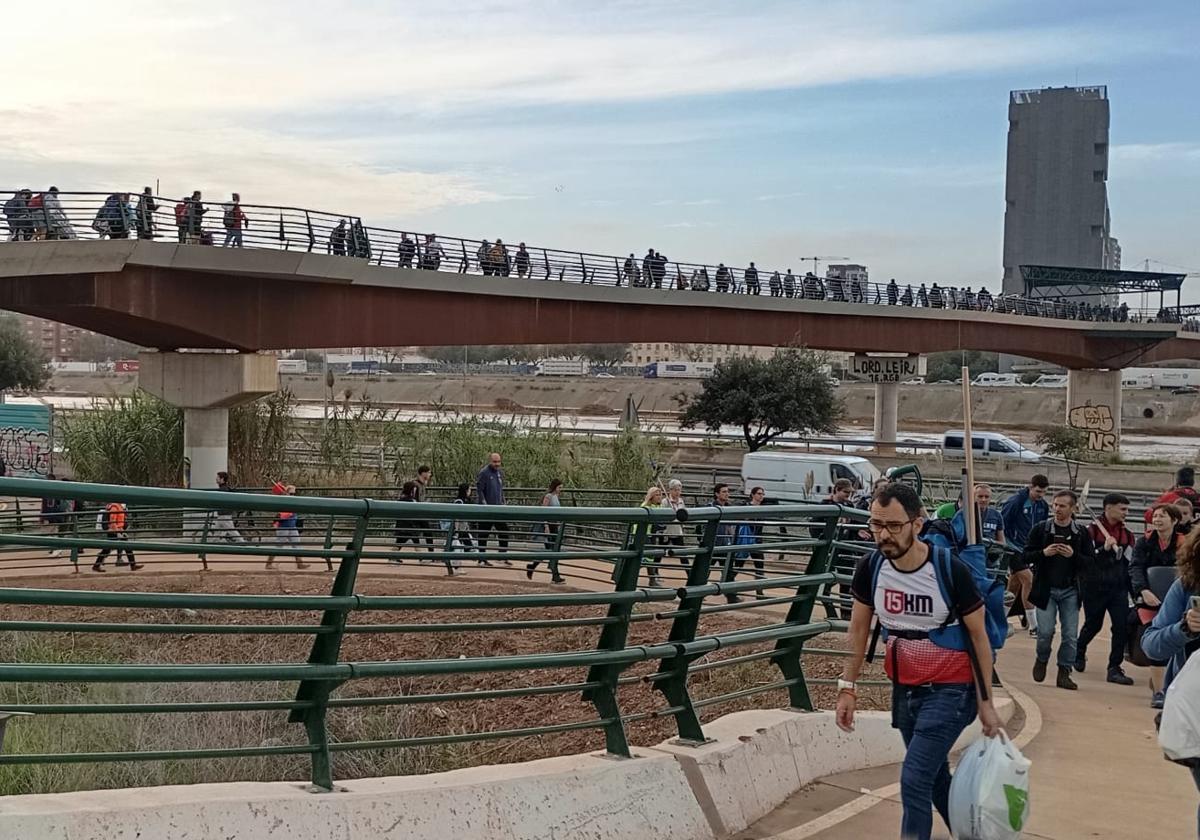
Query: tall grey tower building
column 1055, row 193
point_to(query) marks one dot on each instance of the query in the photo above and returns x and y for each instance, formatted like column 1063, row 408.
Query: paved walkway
column 1097, row 769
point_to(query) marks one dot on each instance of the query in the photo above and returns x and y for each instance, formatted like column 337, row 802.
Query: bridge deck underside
column 169, row 308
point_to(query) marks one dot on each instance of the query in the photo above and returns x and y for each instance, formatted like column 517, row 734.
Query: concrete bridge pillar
column 206, row 386
column 1094, row 407
column 887, row 412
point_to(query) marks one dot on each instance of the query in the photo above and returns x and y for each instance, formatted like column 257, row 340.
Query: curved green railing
column 688, row 602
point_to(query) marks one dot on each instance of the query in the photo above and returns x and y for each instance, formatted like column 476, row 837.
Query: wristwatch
column 846, row 685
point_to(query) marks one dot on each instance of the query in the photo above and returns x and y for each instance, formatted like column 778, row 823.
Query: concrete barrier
column 755, row 760
column 582, row 797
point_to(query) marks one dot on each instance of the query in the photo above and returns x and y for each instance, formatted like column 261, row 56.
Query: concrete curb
column 756, row 760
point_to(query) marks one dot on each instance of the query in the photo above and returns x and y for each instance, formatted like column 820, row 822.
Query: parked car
column 992, row 446
column 1186, row 389
column 785, row 475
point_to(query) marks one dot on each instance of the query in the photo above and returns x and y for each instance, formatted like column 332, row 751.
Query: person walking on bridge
column 235, row 221
column 893, row 292
column 484, row 255
column 789, row 284
column 1024, row 509
column 287, row 525
column 923, row 297
column 937, row 691
column 406, row 250
column 194, row 216
column 521, row 261
column 751, row 277
column 775, row 285
column 722, row 278
column 146, row 208
column 1104, row 586
column 1057, row 550
column 431, row 259
column 489, row 490
column 16, row 213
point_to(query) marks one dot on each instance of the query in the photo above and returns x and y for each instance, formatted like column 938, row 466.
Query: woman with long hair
column 1156, row 549
column 548, row 531
column 1175, row 633
column 652, row 501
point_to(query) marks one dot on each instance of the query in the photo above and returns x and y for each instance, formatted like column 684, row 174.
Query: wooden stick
column 969, row 511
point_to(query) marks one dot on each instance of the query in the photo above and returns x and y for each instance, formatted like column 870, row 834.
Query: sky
column 873, row 132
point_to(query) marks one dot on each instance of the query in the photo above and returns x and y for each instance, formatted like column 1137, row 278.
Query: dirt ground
column 434, row 716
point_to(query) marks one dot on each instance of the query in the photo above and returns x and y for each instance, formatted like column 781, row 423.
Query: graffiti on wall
column 25, row 439
column 1097, row 421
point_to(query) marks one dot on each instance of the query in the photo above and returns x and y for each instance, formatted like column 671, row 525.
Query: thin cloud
column 1140, row 152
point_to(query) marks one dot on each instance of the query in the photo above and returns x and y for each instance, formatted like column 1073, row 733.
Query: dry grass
column 74, row 734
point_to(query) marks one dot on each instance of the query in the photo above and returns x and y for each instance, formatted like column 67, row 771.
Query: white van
column 992, row 446
column 1051, row 380
column 784, row 475
column 996, row 380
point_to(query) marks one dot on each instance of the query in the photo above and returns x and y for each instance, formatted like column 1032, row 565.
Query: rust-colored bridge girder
column 174, row 296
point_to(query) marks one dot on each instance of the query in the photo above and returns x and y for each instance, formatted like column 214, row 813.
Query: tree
column 766, row 398
column 93, row 347
column 604, row 355
column 948, row 365
column 314, row 358
column 1068, row 443
column 22, row 365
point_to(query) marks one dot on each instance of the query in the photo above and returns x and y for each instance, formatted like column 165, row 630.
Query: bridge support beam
column 206, row 386
column 887, row 412
column 1094, row 407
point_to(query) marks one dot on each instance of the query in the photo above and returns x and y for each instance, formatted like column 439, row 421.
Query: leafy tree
column 766, row 398
column 605, row 355
column 93, row 347
column 314, row 358
column 948, row 365
column 22, row 364
column 1068, row 443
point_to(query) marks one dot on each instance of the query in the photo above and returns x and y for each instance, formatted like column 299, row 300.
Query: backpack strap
column 877, row 630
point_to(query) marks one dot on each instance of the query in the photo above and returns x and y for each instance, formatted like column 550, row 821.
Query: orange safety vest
column 116, row 516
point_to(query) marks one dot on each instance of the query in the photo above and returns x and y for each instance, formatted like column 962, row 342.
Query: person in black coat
column 1056, row 551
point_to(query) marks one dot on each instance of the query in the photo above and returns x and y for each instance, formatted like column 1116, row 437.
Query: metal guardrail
column 72, row 215
column 789, row 547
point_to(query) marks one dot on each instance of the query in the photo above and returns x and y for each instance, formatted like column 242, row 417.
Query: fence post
column 326, row 649
column 208, row 515
column 612, row 637
column 788, row 651
column 683, row 629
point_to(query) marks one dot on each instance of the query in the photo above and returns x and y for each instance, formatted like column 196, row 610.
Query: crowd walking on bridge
column 43, row 216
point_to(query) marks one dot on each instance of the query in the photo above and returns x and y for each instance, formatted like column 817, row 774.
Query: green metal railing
column 686, row 616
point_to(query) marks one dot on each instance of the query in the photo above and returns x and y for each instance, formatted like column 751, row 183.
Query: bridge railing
column 640, row 616
column 95, row 215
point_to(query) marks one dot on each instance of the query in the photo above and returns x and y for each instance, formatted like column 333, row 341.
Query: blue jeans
column 233, row 237
column 930, row 719
column 1063, row 606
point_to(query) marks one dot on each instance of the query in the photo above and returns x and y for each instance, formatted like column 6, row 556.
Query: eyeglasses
column 893, row 528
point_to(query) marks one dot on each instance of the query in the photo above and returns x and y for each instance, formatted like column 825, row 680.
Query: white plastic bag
column 1179, row 734
column 989, row 795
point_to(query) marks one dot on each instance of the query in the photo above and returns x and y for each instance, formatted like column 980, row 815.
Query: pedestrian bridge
column 168, row 295
column 145, row 271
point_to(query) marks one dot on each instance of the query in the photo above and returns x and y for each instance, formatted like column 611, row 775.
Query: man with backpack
column 1057, row 549
column 113, row 520
column 235, row 221
column 938, row 655
column 1024, row 509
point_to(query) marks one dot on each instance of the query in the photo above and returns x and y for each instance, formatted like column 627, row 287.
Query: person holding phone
column 1056, row 551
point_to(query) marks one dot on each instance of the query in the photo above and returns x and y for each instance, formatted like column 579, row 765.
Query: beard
column 893, row 549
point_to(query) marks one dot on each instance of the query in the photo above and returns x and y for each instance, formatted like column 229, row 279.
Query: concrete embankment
column 922, row 407
column 755, row 761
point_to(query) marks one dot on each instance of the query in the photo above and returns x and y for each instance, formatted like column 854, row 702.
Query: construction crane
column 816, row 261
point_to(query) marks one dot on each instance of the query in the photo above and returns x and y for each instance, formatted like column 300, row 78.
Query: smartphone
column 1059, row 539
column 1196, row 603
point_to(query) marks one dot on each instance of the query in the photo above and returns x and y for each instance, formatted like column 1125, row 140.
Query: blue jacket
column 1164, row 639
column 489, row 486
column 1020, row 515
